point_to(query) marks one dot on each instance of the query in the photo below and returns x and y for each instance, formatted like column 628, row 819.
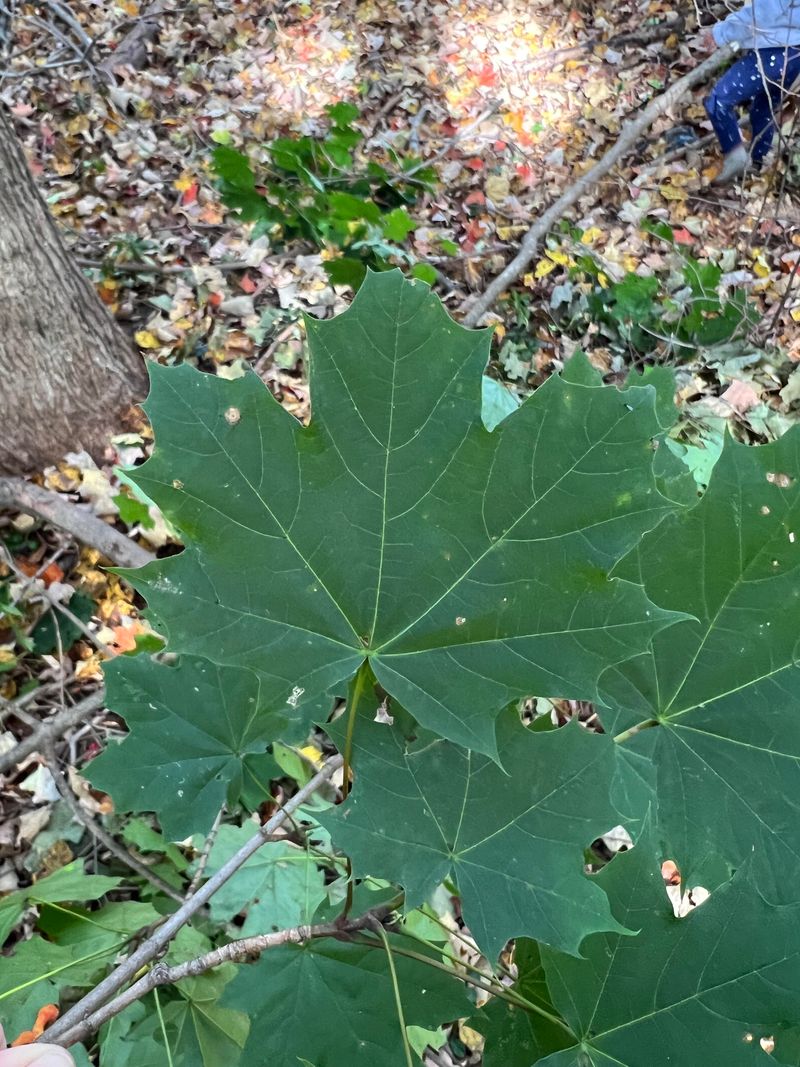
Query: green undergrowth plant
column 391, row 582
column 674, row 313
column 317, row 188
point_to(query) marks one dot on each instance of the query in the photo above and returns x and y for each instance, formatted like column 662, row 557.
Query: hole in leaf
column 783, row 481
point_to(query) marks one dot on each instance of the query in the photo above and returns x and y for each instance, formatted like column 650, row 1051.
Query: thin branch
column 629, row 135
column 52, row 729
column 248, row 948
column 202, row 862
column 87, row 1015
column 75, row 519
column 135, row 267
column 102, row 835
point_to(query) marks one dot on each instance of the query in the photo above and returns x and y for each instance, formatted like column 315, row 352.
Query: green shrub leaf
column 279, row 886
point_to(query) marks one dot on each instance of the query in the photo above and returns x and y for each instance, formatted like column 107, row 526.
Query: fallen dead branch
column 630, row 133
column 51, row 729
column 74, row 519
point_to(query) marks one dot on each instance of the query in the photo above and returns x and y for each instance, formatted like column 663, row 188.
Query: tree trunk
column 67, row 370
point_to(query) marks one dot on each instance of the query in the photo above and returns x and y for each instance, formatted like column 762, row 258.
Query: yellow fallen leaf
column 671, row 192
column 795, row 313
column 561, row 258
column 146, row 339
column 543, row 268
column 183, row 183
column 528, row 280
column 602, row 280
column 312, row 754
column 591, row 235
column 761, row 269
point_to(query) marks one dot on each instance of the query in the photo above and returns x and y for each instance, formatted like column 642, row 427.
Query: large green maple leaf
column 469, row 567
column 695, row 991
column 516, row 1036
column 722, row 690
column 197, row 731
column 512, row 837
column 185, row 1025
column 329, row 1003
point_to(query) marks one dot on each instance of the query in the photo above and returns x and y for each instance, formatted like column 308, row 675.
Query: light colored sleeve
column 737, row 28
column 36, row 1056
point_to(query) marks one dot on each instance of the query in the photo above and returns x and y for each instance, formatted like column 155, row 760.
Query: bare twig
column 74, row 518
column 629, row 135
column 202, row 862
column 459, row 135
column 247, row 948
column 134, row 267
column 52, row 729
column 102, row 835
column 87, row 1015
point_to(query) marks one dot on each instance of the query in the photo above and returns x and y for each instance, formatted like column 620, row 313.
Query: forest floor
column 510, row 102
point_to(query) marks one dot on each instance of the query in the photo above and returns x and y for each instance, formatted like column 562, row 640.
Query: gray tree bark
column 67, row 370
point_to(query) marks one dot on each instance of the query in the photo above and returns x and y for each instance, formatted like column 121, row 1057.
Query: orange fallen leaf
column 45, row 1016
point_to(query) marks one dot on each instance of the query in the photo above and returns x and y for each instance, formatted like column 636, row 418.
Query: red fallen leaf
column 190, row 194
column 682, row 236
column 487, row 75
column 247, row 284
column 215, row 299
column 475, row 197
column 474, row 164
column 525, row 172
column 500, row 146
column 473, row 233
column 46, row 1015
column 448, row 128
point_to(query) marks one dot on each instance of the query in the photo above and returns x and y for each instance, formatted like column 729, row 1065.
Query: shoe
column 680, row 136
column 734, row 164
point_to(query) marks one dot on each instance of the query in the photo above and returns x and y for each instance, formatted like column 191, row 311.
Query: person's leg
column 778, row 69
column 737, row 85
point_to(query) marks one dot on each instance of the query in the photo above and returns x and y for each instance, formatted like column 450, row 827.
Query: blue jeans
column 762, row 78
